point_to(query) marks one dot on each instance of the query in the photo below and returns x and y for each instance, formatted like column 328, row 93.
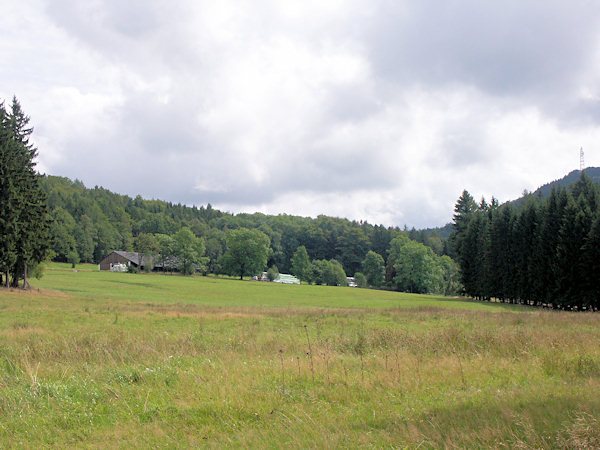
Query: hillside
column 566, row 181
column 91, row 223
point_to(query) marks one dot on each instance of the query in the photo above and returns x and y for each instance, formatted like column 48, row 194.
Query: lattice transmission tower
column 581, row 161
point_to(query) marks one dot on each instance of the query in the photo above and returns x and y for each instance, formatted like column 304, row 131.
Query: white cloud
column 368, row 110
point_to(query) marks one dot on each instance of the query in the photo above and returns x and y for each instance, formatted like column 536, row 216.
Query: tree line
column 546, row 251
column 411, row 267
column 24, row 219
column 90, row 223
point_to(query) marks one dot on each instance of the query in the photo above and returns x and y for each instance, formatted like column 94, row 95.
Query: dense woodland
column 90, row 223
column 543, row 250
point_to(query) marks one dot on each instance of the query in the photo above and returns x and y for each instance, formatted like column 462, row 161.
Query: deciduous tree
column 188, row 249
column 247, row 252
column 373, row 268
column 301, row 264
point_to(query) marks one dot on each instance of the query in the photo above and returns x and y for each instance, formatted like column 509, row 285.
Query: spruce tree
column 591, row 266
column 571, row 239
column 8, row 201
column 525, row 240
column 24, row 221
column 501, row 253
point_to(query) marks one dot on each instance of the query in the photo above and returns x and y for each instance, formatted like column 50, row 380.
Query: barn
column 127, row 258
column 139, row 261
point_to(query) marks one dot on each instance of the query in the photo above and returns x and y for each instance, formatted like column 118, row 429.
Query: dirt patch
column 32, row 293
column 21, row 329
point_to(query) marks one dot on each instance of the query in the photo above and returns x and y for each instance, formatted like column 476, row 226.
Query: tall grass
column 79, row 367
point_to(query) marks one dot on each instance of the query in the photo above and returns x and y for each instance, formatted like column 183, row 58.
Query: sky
column 373, row 110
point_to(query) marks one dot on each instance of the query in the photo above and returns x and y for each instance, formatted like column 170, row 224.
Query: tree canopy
column 247, row 252
column 188, row 250
column 373, row 268
column 301, row 264
column 94, row 222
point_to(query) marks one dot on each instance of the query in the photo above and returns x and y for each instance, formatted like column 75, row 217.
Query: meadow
column 95, row 359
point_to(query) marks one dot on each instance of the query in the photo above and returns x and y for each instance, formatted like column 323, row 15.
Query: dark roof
column 135, row 257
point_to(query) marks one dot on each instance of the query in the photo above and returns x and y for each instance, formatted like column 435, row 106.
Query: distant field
column 93, row 359
column 90, row 283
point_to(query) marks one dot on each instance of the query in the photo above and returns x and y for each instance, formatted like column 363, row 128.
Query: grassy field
column 91, row 359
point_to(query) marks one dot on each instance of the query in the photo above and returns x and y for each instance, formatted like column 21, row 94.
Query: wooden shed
column 117, row 257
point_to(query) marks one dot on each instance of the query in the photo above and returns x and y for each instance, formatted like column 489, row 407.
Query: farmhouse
column 282, row 278
column 128, row 259
column 137, row 260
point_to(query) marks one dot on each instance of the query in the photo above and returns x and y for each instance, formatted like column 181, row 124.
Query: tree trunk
column 7, row 278
column 25, row 276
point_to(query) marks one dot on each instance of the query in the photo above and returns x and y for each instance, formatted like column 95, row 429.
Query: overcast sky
column 381, row 110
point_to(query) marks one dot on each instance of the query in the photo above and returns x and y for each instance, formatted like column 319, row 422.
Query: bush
column 272, row 273
column 360, row 279
column 73, row 258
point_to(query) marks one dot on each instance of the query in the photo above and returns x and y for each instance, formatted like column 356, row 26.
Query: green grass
column 90, row 283
column 96, row 359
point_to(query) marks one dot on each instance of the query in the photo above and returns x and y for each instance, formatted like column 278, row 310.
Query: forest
column 88, row 224
column 543, row 250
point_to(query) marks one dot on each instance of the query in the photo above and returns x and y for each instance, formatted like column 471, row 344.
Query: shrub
column 272, row 273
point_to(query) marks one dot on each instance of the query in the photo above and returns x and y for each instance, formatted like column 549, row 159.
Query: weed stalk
column 282, row 370
column 312, row 366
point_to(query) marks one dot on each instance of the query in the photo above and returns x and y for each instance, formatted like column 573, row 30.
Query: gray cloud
column 512, row 47
column 370, row 110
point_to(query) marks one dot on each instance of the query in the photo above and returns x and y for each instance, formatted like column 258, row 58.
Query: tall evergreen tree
column 591, row 266
column 24, row 223
column 463, row 213
column 8, row 202
column 525, row 245
column 501, row 255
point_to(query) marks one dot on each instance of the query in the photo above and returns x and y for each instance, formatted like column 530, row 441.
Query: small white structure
column 351, row 282
column 285, row 278
column 118, row 267
column 282, row 278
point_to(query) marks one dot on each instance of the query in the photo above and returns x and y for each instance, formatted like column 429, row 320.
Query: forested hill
column 565, row 182
column 592, row 172
column 90, row 223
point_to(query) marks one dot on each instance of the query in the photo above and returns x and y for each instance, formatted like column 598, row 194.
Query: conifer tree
column 591, row 266
column 24, row 218
column 525, row 245
column 463, row 212
column 501, row 254
column 543, row 275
